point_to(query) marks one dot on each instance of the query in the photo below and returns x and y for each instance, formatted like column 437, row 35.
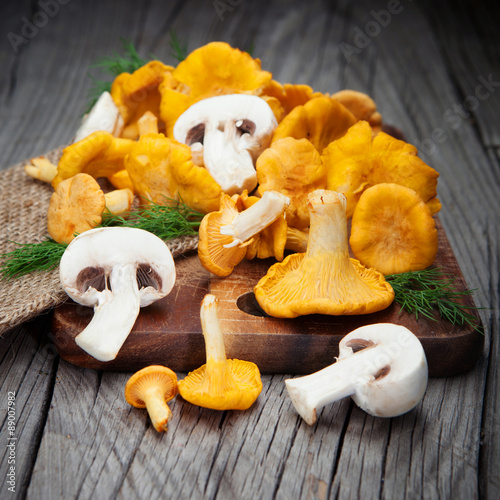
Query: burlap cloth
column 23, row 219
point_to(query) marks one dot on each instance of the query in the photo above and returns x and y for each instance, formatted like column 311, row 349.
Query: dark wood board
column 169, row 332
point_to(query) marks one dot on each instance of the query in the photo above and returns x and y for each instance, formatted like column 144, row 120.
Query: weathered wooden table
column 434, row 71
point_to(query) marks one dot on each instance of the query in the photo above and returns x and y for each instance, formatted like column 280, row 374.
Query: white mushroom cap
column 116, row 270
column 96, row 252
column 231, row 131
column 104, row 115
column 382, row 367
column 400, row 364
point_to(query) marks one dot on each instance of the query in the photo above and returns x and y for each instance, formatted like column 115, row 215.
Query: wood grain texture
column 420, row 68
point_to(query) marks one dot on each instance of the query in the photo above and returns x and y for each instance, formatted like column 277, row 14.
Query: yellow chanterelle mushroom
column 393, row 230
column 324, row 279
column 151, row 388
column 220, row 384
column 78, row 204
column 225, row 235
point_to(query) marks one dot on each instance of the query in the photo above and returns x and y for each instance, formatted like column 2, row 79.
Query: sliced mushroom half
column 382, row 367
column 228, row 133
column 117, row 271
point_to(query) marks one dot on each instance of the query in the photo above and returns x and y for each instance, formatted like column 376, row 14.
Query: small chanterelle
column 226, row 134
column 381, row 366
column 117, row 271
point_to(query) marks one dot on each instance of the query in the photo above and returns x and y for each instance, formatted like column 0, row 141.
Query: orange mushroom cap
column 359, row 160
column 137, row 92
column 292, row 167
column 220, row 384
column 75, row 206
column 225, row 235
column 289, row 95
column 151, row 388
column 149, row 166
column 214, row 256
column 213, row 69
column 320, row 120
column 361, row 105
column 99, row 155
column 393, row 230
column 324, row 279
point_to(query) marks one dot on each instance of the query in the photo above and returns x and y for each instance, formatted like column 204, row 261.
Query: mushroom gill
column 324, row 279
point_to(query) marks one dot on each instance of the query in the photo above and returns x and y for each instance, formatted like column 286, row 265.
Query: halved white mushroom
column 229, row 132
column 117, row 271
column 382, row 367
column 104, row 115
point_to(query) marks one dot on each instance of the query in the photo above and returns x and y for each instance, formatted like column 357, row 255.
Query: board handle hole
column 248, row 304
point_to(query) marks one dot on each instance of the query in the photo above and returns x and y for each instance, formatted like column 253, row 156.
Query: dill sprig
column 29, row 257
column 179, row 50
column 167, row 221
column 112, row 66
column 430, row 292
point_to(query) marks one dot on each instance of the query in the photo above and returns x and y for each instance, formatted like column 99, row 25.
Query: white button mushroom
column 228, row 132
column 104, row 115
column 382, row 367
column 117, row 271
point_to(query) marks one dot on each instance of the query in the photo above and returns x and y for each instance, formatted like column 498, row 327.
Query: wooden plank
column 89, row 438
column 469, row 42
column 28, row 367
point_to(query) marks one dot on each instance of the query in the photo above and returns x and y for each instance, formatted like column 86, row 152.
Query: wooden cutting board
column 169, row 332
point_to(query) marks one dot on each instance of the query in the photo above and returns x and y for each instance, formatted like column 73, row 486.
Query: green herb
column 179, row 50
column 30, row 257
column 425, row 293
column 113, row 66
column 167, row 221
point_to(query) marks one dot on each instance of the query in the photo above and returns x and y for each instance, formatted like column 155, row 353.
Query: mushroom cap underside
column 211, row 251
column 151, row 377
column 75, row 206
column 291, row 288
column 231, row 107
column 91, row 256
column 235, row 386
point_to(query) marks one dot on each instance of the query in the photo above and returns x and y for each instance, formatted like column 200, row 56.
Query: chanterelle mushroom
column 230, row 131
column 382, row 367
column 324, row 279
column 221, row 383
column 225, row 234
column 116, row 270
column 151, row 388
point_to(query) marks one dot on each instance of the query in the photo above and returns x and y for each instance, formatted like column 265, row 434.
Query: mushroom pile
column 277, row 170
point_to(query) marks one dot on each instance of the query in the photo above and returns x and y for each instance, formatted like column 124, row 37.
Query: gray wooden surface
column 434, row 71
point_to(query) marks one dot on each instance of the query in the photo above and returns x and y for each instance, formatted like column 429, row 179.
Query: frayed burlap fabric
column 23, row 219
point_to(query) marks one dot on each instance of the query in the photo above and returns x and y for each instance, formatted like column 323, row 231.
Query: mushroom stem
column 42, row 169
column 210, row 326
column 148, row 123
column 381, row 366
column 328, row 229
column 216, row 365
column 311, row 393
column 119, row 201
column 230, row 166
column 158, row 410
column 255, row 218
column 114, row 315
